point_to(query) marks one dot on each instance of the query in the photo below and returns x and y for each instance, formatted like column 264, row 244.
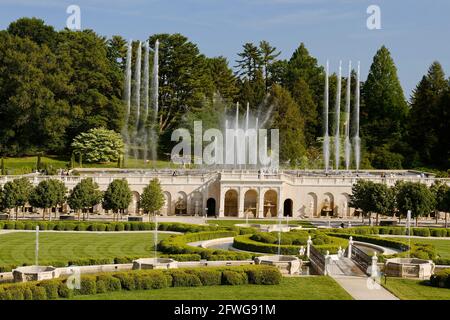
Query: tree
column 385, row 109
column 99, row 145
column 34, row 29
column 152, row 198
column 117, row 196
column 223, row 78
column 359, row 198
column 48, row 194
column 250, row 61
column 84, row 196
column 381, row 199
column 416, row 197
column 425, row 114
column 441, row 193
column 308, row 109
column 287, row 119
column 269, row 55
column 16, row 194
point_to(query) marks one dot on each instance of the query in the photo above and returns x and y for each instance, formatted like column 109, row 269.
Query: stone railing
column 362, row 259
column 317, row 260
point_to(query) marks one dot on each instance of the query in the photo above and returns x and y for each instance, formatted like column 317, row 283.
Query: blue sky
column 415, row 31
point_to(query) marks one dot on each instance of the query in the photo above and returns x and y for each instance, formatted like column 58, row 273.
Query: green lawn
column 24, row 165
column 442, row 246
column 298, row 288
column 18, row 247
column 407, row 289
column 228, row 223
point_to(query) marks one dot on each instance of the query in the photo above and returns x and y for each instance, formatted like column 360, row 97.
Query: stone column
column 327, row 268
column 241, row 203
column 204, row 200
column 374, row 267
column 279, row 204
column 260, row 209
column 222, row 203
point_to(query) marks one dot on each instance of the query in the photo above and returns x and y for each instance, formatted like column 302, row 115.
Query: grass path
column 291, row 288
column 18, row 247
column 442, row 245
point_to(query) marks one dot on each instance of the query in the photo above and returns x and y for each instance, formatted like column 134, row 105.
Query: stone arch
column 134, row 206
column 231, row 203
column 196, row 207
column 211, row 205
column 311, row 205
column 166, row 209
column 181, row 203
column 250, row 203
column 327, row 208
column 287, row 207
column 343, row 207
column 270, row 204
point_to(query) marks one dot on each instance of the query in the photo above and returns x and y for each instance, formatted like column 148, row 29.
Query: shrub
column 87, row 285
column 234, row 278
column 64, row 291
column 51, row 288
column 438, row 232
column 441, row 279
column 111, row 283
column 184, row 279
column 264, row 276
column 101, row 227
column 110, row 227
column 126, row 280
column 81, row 227
column 208, row 277
column 154, row 280
column 29, row 226
column 39, row 293
column 422, row 232
column 9, row 225
column 120, row 226
column 19, row 225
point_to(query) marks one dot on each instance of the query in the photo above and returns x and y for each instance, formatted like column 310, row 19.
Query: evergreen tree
column 152, row 198
column 308, row 110
column 34, row 29
column 286, row 117
column 269, row 55
column 223, row 78
column 250, row 61
column 425, row 114
column 385, row 108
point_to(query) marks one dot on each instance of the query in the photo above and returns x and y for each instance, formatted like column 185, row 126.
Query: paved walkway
column 412, row 237
column 5, row 231
column 357, row 283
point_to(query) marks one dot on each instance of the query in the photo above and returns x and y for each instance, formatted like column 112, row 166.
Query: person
column 342, row 225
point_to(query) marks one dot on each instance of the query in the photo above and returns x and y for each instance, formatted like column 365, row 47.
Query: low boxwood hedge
column 441, row 279
column 142, row 280
column 422, row 231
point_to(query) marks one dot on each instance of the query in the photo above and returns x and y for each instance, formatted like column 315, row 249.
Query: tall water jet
column 347, row 119
column 146, row 99
column 326, row 137
column 155, row 102
column 137, row 84
column 236, row 127
column 127, row 98
column 337, row 118
column 356, row 139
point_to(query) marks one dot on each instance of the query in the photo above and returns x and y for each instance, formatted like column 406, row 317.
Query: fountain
column 36, row 272
column 356, row 139
column 347, row 144
column 326, row 138
column 142, row 132
column 337, row 117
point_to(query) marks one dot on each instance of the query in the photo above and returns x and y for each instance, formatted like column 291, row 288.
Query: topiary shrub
column 438, row 232
column 101, row 227
column 64, row 291
column 184, row 279
column 234, row 278
column 422, row 232
column 81, row 227
column 29, row 226
column 111, row 283
column 154, row 280
column 51, row 288
column 264, row 276
column 87, row 285
column 441, row 279
column 39, row 293
column 126, row 280
column 208, row 277
column 110, row 227
column 120, row 226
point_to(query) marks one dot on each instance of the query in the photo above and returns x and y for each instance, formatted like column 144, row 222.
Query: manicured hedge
column 244, row 242
column 177, row 244
column 142, row 280
column 422, row 231
column 441, row 279
column 106, row 226
column 99, row 261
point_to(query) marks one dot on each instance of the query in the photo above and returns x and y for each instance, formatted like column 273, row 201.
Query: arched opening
column 344, row 209
column 166, row 210
column 211, row 205
column 270, row 204
column 196, row 204
column 250, row 203
column 287, row 208
column 181, row 203
column 327, row 205
column 311, row 204
column 231, row 203
column 133, row 208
